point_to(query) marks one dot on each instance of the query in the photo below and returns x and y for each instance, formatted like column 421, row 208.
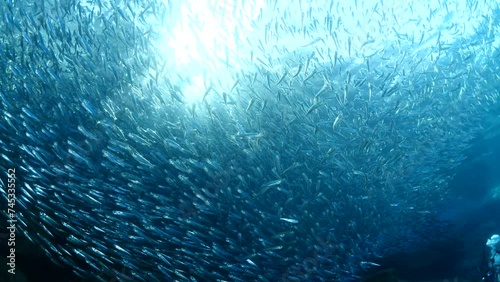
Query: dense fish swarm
column 295, row 165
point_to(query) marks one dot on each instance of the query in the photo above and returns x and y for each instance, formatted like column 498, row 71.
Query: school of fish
column 295, row 163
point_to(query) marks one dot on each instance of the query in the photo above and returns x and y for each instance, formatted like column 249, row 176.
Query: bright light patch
column 194, row 92
column 205, row 41
column 213, row 39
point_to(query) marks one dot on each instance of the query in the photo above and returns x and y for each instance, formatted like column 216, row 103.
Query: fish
column 289, row 220
column 245, row 156
column 313, row 107
column 370, row 41
column 299, row 68
column 266, row 186
column 250, row 104
column 282, row 77
column 318, row 39
column 326, row 86
column 272, row 183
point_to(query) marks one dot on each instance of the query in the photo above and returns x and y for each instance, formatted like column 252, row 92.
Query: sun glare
column 213, row 39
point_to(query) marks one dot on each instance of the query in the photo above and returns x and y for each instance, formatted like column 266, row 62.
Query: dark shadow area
column 32, row 265
column 475, row 217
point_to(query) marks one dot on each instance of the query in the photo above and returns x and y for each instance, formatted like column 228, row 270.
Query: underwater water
column 248, row 140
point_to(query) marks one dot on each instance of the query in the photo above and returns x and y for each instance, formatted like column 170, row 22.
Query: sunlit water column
column 210, row 42
column 205, row 43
